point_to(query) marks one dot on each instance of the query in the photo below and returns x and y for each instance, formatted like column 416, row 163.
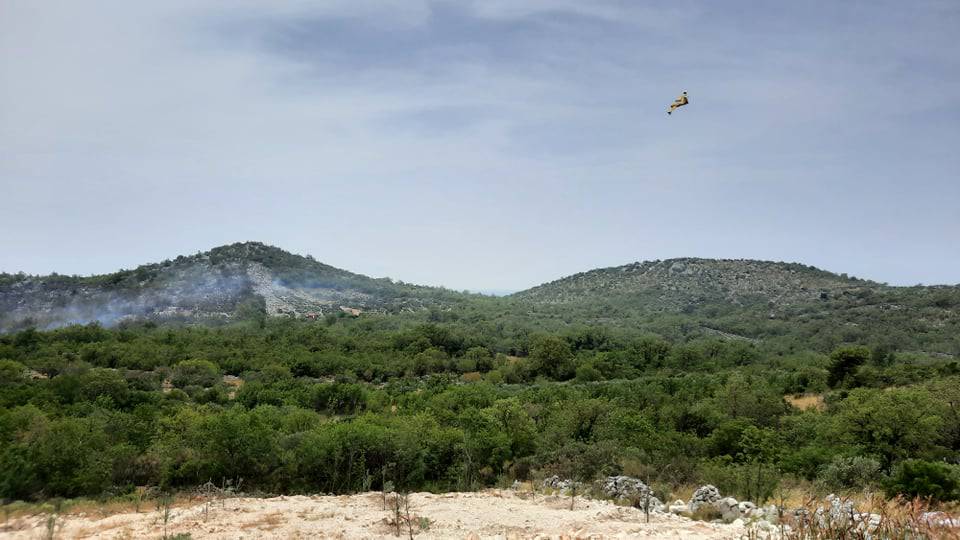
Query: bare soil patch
column 489, row 514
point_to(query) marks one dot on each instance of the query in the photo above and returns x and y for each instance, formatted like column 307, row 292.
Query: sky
column 482, row 144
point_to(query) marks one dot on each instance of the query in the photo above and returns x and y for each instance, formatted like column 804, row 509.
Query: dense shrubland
column 464, row 399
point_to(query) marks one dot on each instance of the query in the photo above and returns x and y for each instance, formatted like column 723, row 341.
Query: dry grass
column 684, row 492
column 104, row 530
column 472, row 376
column 308, row 515
column 268, row 522
column 807, row 401
column 232, row 380
column 706, row 513
column 93, row 507
column 234, row 383
column 879, row 518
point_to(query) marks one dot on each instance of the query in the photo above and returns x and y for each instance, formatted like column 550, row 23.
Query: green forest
column 460, row 399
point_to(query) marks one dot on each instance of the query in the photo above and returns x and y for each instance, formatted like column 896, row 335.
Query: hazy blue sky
column 482, row 144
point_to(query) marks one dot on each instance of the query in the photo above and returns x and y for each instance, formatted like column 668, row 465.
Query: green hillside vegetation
column 795, row 306
column 340, row 404
column 676, row 372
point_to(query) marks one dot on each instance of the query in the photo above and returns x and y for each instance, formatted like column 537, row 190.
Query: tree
column 882, row 356
column 844, row 361
column 586, row 372
column 11, row 372
column 947, row 391
column 892, row 424
column 551, row 356
column 432, row 360
column 516, row 423
column 760, row 448
column 649, row 352
column 101, row 382
column 854, row 472
column 481, row 358
column 748, row 397
column 925, row 479
column 70, row 458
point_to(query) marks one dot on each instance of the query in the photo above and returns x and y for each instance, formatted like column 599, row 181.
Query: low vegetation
column 675, row 373
column 347, row 405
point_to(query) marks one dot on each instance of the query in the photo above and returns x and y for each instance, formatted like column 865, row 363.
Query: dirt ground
column 489, row 514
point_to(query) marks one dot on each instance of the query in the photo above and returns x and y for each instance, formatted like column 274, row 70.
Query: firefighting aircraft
column 679, row 102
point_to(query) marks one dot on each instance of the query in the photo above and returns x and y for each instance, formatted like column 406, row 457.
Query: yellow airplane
column 679, row 102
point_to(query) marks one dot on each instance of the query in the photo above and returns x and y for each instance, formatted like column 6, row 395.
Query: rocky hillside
column 756, row 300
column 222, row 284
column 677, row 298
column 675, row 283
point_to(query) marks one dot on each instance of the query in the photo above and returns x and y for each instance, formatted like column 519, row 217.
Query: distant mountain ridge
column 218, row 285
column 733, row 298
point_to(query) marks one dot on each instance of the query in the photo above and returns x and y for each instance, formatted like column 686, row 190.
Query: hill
column 675, row 283
column 219, row 285
column 673, row 371
column 756, row 300
column 793, row 304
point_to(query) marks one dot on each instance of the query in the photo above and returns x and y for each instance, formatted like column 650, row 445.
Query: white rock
column 939, row 519
column 679, row 509
column 729, row 508
column 771, row 513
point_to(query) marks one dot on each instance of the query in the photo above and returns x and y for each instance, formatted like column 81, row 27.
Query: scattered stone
column 840, row 512
column 560, row 484
column 704, row 495
column 631, row 489
column 939, row 519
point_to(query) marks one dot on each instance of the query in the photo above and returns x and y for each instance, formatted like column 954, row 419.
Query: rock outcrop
column 560, row 484
column 704, row 496
column 633, row 490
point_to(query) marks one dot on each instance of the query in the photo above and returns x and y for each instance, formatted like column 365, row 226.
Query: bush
column 583, row 462
column 195, row 372
column 754, row 482
column 11, row 372
column 849, row 473
column 588, row 373
column 925, row 479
